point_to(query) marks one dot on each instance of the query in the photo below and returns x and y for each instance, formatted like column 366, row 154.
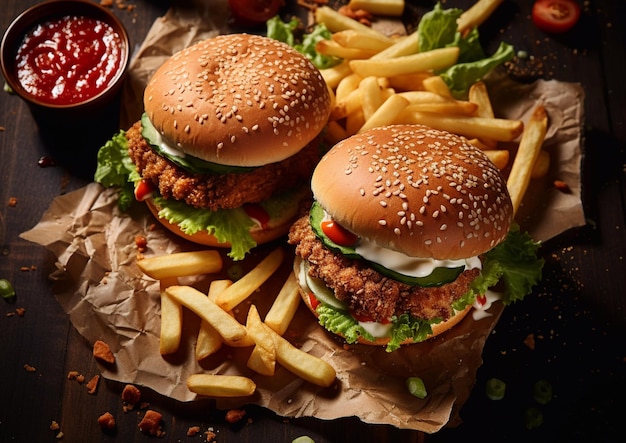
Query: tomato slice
column 258, row 213
column 313, row 301
column 338, row 233
column 254, row 12
column 555, row 16
column 367, row 318
column 143, row 190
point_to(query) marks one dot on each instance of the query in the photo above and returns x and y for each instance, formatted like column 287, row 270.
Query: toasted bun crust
column 239, row 100
column 417, row 190
column 277, row 229
column 437, row 329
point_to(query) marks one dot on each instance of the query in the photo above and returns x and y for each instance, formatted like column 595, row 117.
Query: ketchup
column 69, row 60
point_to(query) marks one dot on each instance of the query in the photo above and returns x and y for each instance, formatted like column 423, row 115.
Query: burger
column 224, row 151
column 408, row 228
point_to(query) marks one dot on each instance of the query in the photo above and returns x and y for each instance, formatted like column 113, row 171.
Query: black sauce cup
column 72, row 132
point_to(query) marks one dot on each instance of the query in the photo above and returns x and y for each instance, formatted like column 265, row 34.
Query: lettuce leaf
column 114, row 168
column 284, row 32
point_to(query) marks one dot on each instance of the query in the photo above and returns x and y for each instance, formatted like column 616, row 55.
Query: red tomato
column 313, row 301
column 555, row 15
column 254, row 12
column 257, row 213
column 338, row 233
column 143, row 190
column 367, row 318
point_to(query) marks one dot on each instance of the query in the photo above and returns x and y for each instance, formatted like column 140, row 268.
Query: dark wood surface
column 577, row 314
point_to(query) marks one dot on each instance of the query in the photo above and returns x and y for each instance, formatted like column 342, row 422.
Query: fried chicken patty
column 219, row 191
column 368, row 292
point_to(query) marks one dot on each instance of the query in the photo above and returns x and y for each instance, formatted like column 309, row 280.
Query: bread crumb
column 234, row 415
column 101, row 351
column 20, row 311
column 106, row 421
column 92, row 385
column 54, row 426
column 210, row 436
column 29, row 368
column 13, row 202
column 193, row 431
column 529, row 341
column 151, row 423
column 130, row 396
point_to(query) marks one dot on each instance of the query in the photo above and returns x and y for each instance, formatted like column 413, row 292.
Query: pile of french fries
column 219, row 326
column 384, row 80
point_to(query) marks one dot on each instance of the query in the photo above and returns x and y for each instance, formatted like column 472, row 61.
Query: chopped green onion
column 542, row 392
column 416, row 387
column 7, row 291
column 303, row 439
column 533, row 418
column 495, row 389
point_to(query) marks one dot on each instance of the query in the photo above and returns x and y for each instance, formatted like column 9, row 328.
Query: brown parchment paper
column 107, row 298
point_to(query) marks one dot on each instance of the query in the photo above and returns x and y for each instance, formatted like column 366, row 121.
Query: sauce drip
column 69, row 60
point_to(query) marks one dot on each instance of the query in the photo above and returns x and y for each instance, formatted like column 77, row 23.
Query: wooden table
column 577, row 314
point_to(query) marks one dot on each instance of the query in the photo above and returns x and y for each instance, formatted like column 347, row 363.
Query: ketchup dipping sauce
column 69, row 60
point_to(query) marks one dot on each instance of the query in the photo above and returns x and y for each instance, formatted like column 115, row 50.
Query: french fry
column 209, row 341
column 405, row 46
column 527, row 152
column 393, row 8
column 386, row 113
column 355, row 121
column 331, row 47
column 351, row 38
column 284, row 306
column 304, row 365
column 409, row 82
column 437, row 85
column 171, row 319
column 245, row 286
column 228, row 327
column 541, row 166
column 476, row 14
column 333, row 75
column 263, row 356
column 451, row 106
column 180, row 264
column 347, row 84
column 470, row 127
column 422, row 61
column 499, row 157
column 336, row 21
column 348, row 105
column 213, row 385
column 371, row 96
column 479, row 95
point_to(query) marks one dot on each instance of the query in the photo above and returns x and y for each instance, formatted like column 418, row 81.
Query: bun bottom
column 437, row 329
column 260, row 236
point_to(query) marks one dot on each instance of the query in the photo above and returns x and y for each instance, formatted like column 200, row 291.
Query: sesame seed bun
column 238, row 100
column 424, row 192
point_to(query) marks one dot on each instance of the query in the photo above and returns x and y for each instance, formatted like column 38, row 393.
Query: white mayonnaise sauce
column 480, row 309
column 375, row 328
column 165, row 147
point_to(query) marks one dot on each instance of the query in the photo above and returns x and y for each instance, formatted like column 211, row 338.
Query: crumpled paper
column 108, row 298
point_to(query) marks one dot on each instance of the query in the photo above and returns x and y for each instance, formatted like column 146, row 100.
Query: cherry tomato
column 254, row 12
column 555, row 16
column 338, row 233
column 481, row 299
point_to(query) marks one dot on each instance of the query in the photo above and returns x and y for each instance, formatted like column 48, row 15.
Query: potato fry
column 348, row 105
column 527, row 152
column 479, row 95
column 470, row 127
column 347, row 84
column 542, row 165
column 304, row 365
column 284, row 306
column 392, row 8
column 476, row 14
column 355, row 121
column 451, row 106
column 371, row 96
column 263, row 356
column 171, row 319
column 351, row 38
column 181, row 264
column 336, row 21
column 246, row 285
column 406, row 64
column 331, row 47
column 409, row 82
column 332, row 76
column 405, row 46
column 213, row 385
column 334, row 133
column 386, row 113
column 437, row 85
column 209, row 341
column 499, row 157
column 228, row 327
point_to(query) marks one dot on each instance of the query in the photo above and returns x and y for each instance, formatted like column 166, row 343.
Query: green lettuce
column 438, row 29
column 115, row 167
column 285, row 32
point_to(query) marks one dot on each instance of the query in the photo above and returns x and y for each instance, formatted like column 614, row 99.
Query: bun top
column 239, row 100
column 424, row 192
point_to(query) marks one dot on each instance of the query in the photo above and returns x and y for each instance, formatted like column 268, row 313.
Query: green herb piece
column 542, row 392
column 533, row 418
column 495, row 389
column 7, row 291
column 416, row 387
